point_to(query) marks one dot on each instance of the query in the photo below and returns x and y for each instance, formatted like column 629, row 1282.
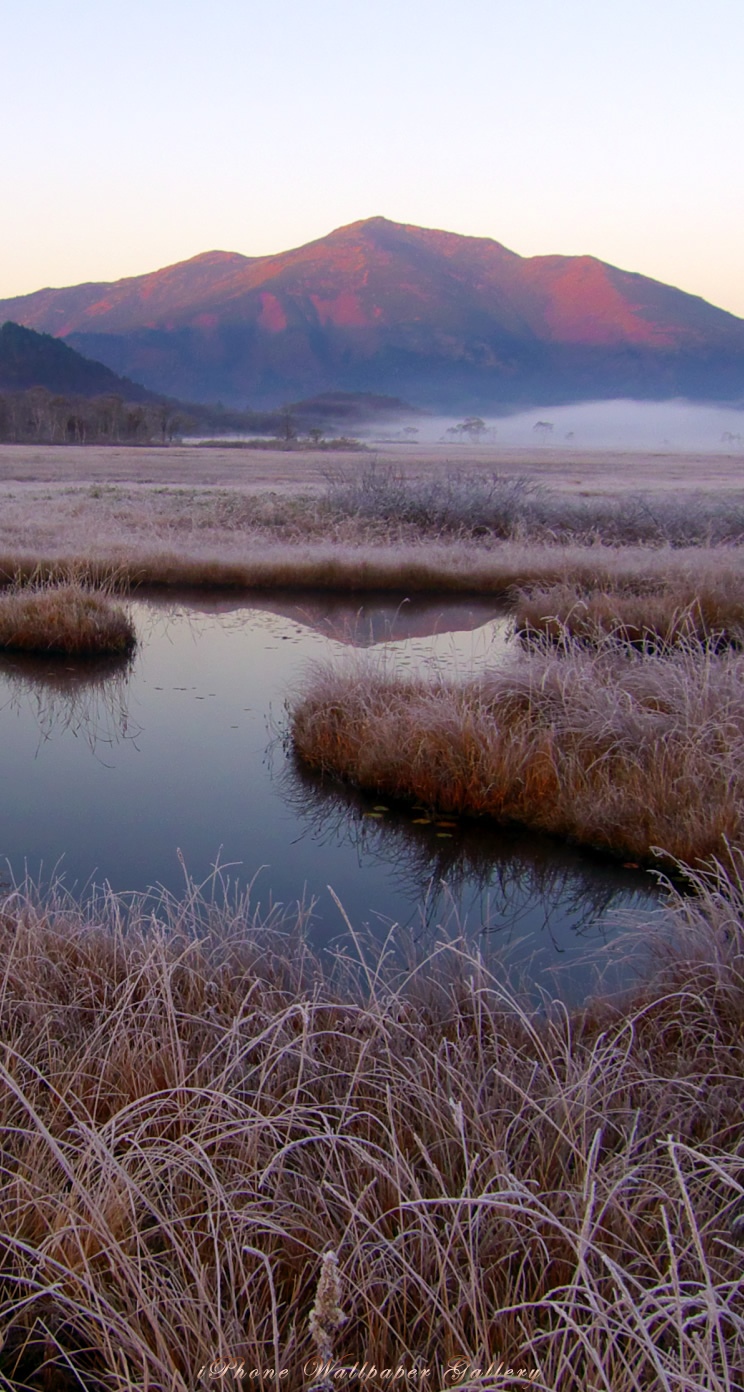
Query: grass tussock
column 66, row 618
column 682, row 609
column 211, row 1149
column 622, row 750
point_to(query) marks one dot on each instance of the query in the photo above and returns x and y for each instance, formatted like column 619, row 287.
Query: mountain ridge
column 30, row 359
column 49, row 393
column 380, row 306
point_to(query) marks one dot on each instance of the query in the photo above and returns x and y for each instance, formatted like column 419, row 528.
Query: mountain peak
column 392, row 308
column 434, row 236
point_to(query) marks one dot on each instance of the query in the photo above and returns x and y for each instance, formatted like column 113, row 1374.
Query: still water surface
column 113, row 774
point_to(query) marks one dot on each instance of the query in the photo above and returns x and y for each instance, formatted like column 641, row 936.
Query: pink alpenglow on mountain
column 442, row 320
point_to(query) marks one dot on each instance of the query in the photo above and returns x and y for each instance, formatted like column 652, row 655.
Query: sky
column 139, row 134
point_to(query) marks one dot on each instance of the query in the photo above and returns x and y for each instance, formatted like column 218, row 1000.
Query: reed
column 622, row 750
column 706, row 609
column 64, row 618
column 231, row 537
column 433, row 567
column 197, row 1122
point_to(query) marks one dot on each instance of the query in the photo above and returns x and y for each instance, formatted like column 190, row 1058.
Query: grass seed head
column 326, row 1316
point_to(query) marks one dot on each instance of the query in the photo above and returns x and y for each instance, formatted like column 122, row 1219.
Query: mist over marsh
column 622, row 424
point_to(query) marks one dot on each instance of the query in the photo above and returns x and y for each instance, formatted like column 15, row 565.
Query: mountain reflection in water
column 121, row 772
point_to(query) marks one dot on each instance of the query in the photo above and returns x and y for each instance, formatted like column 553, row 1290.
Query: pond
column 126, row 774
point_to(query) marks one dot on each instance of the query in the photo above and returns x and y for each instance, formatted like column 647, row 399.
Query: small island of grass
column 66, row 619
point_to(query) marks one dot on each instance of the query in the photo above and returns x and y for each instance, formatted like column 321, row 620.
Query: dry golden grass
column 222, row 561
column 470, row 535
column 192, row 1114
column 709, row 609
column 599, row 473
column 65, row 618
column 622, row 750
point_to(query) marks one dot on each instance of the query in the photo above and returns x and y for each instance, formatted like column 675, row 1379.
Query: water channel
column 123, row 774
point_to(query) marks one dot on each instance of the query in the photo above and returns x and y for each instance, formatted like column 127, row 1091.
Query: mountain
column 83, row 401
column 442, row 320
column 29, row 359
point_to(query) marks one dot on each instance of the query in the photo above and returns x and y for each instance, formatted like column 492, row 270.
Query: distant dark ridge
column 50, row 394
column 30, row 359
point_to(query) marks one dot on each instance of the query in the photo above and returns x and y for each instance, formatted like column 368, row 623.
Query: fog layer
column 677, row 426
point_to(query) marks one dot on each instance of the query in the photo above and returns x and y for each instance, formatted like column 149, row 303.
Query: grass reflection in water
column 89, row 698
column 500, row 884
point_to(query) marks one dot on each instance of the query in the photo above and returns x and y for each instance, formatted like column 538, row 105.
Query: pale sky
column 138, row 134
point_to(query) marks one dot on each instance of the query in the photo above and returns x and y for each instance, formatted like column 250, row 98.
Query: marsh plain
column 197, row 1107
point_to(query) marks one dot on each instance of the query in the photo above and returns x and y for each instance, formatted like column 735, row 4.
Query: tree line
column 39, row 416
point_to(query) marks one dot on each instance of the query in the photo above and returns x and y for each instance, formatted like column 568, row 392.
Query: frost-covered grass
column 619, row 749
column 464, row 533
column 192, row 1113
column 508, row 506
column 65, row 618
column 707, row 607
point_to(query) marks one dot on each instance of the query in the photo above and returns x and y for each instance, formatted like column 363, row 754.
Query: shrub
column 516, row 506
column 460, row 502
